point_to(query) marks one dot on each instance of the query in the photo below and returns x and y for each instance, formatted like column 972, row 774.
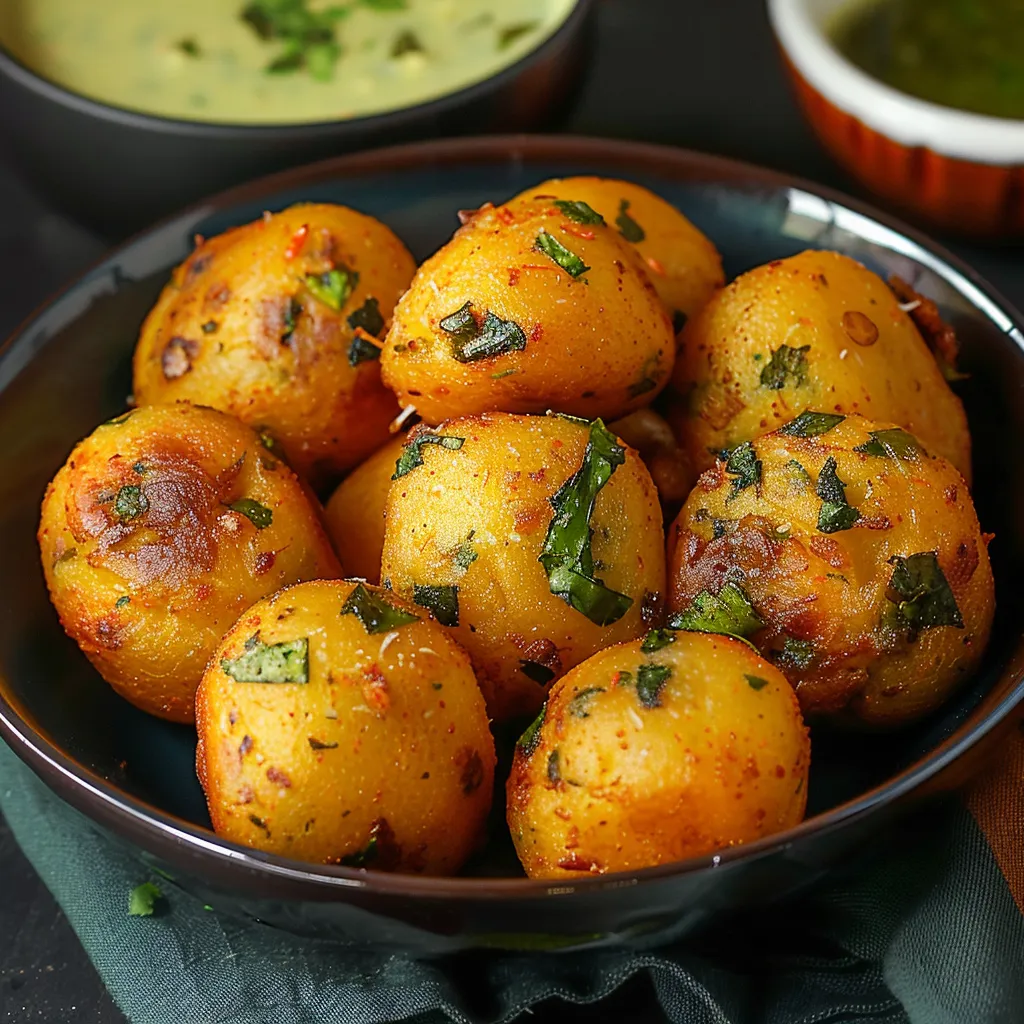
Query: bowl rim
column 906, row 119
column 394, row 119
column 164, row 835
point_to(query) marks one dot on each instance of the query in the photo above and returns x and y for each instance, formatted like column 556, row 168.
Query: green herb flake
column 333, row 287
column 406, row 42
column 315, row 744
column 130, row 503
column 565, row 258
column 835, row 513
column 811, row 424
column 787, row 366
column 656, row 639
column 189, row 46
column 375, row 611
column 743, row 464
column 504, row 373
column 892, row 444
column 259, row 515
column 566, row 555
column 921, row 593
column 362, row 858
column 491, row 337
column 578, row 211
column 286, row 662
column 797, row 478
column 142, row 899
column 796, row 653
column 367, row 318
column 210, row 327
column 510, row 33
column 555, row 767
column 530, row 739
column 534, row 670
column 291, row 314
column 412, row 453
column 465, row 555
column 122, row 602
column 650, row 681
column 728, row 612
column 580, row 705
column 628, row 228
column 443, row 601
column 118, row 420
column 756, row 682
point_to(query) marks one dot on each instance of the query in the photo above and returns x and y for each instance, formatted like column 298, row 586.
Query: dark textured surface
column 686, row 72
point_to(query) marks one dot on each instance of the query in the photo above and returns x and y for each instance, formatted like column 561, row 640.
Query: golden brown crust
column 240, row 328
column 149, row 553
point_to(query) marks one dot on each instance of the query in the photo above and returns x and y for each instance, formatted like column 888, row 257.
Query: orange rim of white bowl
column 800, row 27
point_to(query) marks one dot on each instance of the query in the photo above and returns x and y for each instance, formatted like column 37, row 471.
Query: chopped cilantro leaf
column 333, row 287
column 122, row 602
column 650, row 681
column 412, row 453
column 189, row 46
column 836, row 513
column 366, row 318
column 130, row 503
column 921, row 593
column 579, row 211
column 565, row 258
column 406, row 42
column 531, row 736
column 628, row 228
column 756, row 682
column 510, row 33
column 656, row 639
column 579, row 706
column 142, row 899
column 728, row 612
column 796, row 653
column 443, row 601
column 316, row 744
column 494, row 337
column 292, row 311
column 465, row 555
column 787, row 365
column 811, row 424
column 742, row 463
column 375, row 611
column 210, row 327
column 892, row 444
column 540, row 674
column 567, row 556
column 554, row 767
column 362, row 858
column 286, row 662
column 259, row 515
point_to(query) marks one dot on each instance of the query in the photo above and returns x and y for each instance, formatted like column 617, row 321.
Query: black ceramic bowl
column 118, row 170
column 68, row 368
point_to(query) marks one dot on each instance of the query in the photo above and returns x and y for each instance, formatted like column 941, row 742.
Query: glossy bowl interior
column 67, row 369
column 118, row 169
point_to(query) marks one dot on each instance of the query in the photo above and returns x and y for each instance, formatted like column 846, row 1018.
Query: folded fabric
column 927, row 930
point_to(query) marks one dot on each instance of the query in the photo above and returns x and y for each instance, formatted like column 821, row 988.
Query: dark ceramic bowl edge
column 130, row 816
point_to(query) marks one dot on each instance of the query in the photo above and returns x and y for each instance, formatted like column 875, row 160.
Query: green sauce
column 967, row 54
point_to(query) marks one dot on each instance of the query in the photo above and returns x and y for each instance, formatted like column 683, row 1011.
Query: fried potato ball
column 277, row 323
column 161, row 528
column 655, row 751
column 354, row 515
column 668, row 463
column 816, row 331
column 528, row 308
column 338, row 724
column 537, row 539
column 683, row 264
column 849, row 555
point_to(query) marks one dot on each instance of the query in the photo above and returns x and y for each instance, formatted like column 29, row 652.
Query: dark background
column 703, row 74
